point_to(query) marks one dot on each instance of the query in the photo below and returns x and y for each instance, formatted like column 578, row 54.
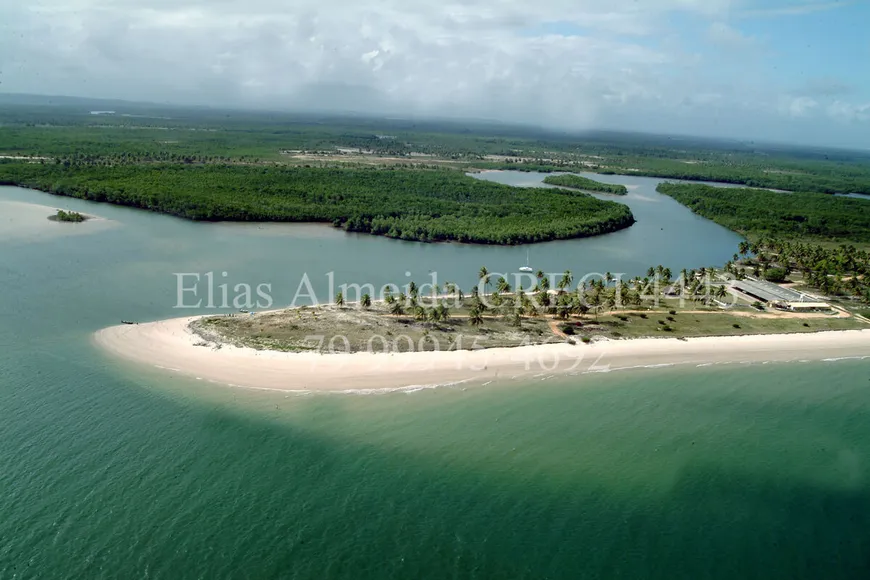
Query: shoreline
column 172, row 346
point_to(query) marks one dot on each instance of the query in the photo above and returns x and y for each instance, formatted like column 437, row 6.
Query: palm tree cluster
column 840, row 271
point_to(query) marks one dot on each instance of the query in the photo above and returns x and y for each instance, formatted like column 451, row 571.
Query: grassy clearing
column 353, row 330
column 683, row 325
column 349, row 329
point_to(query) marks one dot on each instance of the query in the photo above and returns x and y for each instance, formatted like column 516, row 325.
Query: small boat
column 526, row 268
column 128, row 322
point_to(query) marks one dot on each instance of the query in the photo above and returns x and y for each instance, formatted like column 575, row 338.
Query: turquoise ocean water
column 111, row 470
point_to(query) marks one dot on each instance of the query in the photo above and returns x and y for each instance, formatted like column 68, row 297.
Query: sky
column 793, row 71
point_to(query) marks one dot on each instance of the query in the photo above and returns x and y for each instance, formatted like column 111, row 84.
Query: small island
column 576, row 182
column 68, row 216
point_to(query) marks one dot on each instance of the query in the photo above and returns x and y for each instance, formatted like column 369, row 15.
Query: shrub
column 567, row 329
column 735, row 325
column 586, row 340
column 775, row 275
column 671, row 318
column 672, row 312
column 667, row 328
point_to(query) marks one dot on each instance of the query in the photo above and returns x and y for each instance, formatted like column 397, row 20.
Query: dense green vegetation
column 841, row 271
column 578, row 182
column 407, row 204
column 63, row 128
column 68, row 216
column 789, row 215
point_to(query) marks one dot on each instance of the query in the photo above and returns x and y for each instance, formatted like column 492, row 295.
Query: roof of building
column 809, row 305
column 768, row 291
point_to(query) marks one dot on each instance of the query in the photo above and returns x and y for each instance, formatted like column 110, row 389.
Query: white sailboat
column 526, row 268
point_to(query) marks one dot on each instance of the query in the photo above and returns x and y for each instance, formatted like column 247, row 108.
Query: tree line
column 408, row 204
column 579, row 182
column 787, row 215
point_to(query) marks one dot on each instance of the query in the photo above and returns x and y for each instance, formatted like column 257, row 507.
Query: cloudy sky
column 785, row 70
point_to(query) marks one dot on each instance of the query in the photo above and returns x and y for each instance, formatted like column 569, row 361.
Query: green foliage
column 567, row 329
column 68, row 216
column 790, row 215
column 578, row 182
column 844, row 270
column 407, row 204
column 775, row 275
column 55, row 127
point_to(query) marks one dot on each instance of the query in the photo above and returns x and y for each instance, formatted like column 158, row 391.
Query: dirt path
column 554, row 326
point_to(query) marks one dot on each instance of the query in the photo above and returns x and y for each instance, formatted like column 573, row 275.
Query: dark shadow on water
column 190, row 493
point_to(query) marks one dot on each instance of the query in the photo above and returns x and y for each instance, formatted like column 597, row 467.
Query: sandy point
column 172, row 345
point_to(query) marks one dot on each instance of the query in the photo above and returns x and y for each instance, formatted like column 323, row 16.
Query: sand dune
column 171, row 345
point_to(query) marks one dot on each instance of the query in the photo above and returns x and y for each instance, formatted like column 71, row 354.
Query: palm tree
column 420, row 313
column 581, row 308
column 475, row 317
column 539, row 274
column 595, row 302
column 443, row 313
column 483, row 274
column 743, row 247
column 397, row 309
column 610, row 301
column 566, row 280
column 412, row 289
column 544, row 284
column 503, row 285
column 366, row 301
column 339, row 299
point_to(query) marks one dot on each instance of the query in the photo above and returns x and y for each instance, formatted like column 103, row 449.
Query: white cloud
column 622, row 63
column 729, row 37
column 798, row 106
column 848, row 112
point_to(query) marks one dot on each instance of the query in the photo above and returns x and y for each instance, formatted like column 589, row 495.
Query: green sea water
column 112, row 470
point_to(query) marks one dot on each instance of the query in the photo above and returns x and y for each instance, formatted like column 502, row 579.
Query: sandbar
column 171, row 345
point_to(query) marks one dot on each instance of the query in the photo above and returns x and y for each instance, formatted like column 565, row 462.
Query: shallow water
column 111, row 470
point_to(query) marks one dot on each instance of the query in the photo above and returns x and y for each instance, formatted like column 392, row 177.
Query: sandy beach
column 171, row 345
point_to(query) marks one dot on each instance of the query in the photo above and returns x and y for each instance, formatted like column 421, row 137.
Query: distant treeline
column 578, row 182
column 406, row 204
column 821, row 178
column 785, row 215
column 153, row 134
